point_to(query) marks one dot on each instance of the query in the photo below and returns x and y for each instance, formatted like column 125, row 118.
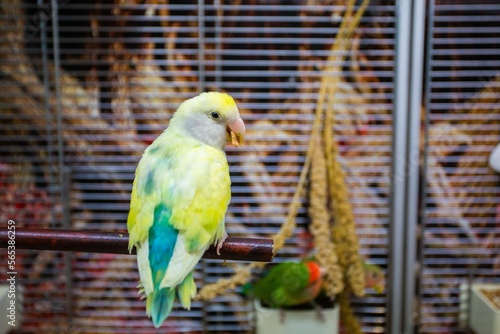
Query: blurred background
column 86, row 86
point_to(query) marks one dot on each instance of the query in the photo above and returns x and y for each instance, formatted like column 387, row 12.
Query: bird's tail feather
column 159, row 304
column 186, row 290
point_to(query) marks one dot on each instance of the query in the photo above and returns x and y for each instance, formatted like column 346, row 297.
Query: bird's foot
column 319, row 312
column 220, row 242
column 282, row 315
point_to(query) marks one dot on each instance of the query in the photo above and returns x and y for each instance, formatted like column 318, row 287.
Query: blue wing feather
column 162, row 239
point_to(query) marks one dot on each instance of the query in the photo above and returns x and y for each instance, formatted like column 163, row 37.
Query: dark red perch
column 240, row 249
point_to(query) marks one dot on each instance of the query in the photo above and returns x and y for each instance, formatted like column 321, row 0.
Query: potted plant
column 289, row 299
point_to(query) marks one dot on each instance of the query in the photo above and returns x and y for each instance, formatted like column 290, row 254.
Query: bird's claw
column 220, row 242
column 282, row 316
column 319, row 311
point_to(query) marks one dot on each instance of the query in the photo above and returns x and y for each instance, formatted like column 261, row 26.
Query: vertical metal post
column 399, row 166
column 51, row 173
column 48, row 111
column 201, row 88
column 218, row 42
column 58, row 107
column 413, row 157
column 63, row 170
column 201, row 46
column 410, row 23
column 398, row 184
column 423, row 181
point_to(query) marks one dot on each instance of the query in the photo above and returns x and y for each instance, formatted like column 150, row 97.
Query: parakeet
column 289, row 284
column 179, row 198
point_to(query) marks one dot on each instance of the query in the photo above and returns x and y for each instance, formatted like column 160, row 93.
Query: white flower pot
column 268, row 321
column 484, row 315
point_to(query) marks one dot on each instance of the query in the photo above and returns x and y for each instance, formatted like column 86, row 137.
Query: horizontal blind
column 123, row 71
column 460, row 226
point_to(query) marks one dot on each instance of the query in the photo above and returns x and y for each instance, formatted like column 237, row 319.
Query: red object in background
column 27, row 205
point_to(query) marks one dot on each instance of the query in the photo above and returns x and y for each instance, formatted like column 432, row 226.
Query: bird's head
column 315, row 280
column 212, row 118
column 315, row 271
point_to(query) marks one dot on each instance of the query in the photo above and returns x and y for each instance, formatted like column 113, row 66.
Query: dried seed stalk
column 320, row 223
column 243, row 274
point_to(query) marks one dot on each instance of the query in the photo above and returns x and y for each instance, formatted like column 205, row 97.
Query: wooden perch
column 241, row 249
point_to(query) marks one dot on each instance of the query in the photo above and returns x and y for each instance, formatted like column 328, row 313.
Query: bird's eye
column 214, row 115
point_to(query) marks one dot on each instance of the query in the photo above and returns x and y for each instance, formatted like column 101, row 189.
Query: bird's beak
column 236, row 132
column 378, row 289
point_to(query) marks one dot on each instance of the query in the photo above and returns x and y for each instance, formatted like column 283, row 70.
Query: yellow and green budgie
column 179, row 199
